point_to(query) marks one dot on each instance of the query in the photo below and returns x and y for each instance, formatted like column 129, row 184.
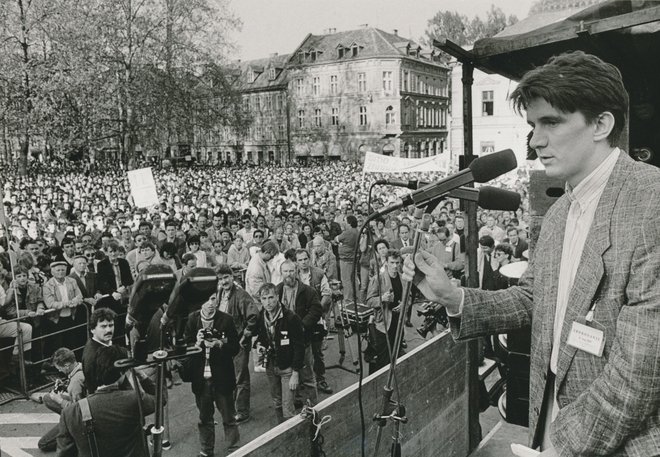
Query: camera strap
column 88, row 422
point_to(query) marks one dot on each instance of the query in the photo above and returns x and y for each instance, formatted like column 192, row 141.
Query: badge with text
column 587, row 339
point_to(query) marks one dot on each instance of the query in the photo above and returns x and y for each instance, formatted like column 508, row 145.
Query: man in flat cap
column 62, row 294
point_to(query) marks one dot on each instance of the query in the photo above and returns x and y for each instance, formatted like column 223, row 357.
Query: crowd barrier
column 433, row 380
column 28, row 371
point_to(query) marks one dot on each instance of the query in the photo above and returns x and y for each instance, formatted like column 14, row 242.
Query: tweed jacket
column 53, row 298
column 609, row 404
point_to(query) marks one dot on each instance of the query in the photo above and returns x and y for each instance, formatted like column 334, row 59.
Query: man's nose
column 538, row 139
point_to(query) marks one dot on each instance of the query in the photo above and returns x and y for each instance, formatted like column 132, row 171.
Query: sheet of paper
column 143, row 187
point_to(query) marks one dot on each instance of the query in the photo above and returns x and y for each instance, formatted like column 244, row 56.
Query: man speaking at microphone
column 594, row 304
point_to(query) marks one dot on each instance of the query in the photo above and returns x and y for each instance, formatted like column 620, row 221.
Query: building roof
column 372, row 42
column 261, row 70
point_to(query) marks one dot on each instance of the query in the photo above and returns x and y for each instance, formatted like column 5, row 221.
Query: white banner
column 378, row 163
column 143, row 187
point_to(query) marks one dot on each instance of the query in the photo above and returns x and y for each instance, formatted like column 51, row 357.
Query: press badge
column 285, row 338
column 586, row 338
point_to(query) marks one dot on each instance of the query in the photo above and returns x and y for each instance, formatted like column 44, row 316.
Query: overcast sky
column 280, row 25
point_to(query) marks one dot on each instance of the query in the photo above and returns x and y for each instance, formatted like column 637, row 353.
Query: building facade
column 337, row 96
column 495, row 124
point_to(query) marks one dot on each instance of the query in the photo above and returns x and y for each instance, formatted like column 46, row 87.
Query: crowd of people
column 277, row 238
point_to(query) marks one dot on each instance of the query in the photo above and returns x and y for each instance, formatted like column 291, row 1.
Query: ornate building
column 337, row 96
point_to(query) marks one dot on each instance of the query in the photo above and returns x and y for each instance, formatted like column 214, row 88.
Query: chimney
column 396, row 32
column 364, row 26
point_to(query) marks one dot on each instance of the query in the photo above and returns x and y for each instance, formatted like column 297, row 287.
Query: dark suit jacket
column 106, row 282
column 116, row 425
column 289, row 328
column 88, row 287
column 221, row 359
column 308, row 307
column 609, row 405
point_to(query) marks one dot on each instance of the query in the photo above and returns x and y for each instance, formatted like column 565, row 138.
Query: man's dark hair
column 352, row 221
column 511, row 229
column 105, row 372
column 267, row 288
column 505, row 248
column 67, row 240
column 576, row 81
column 171, row 223
column 112, row 246
column 487, row 241
column 168, row 247
column 101, row 314
column 25, row 241
column 301, row 251
column 223, row 269
column 381, row 241
column 290, row 254
column 393, row 254
column 258, row 231
column 193, row 239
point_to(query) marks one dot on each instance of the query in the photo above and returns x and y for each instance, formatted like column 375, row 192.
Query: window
column 363, row 115
column 278, row 103
column 487, row 103
column 355, row 50
column 487, row 147
column 272, row 73
column 405, row 81
column 269, row 102
column 251, row 76
column 282, row 131
column 316, row 85
column 341, row 52
column 333, row 84
column 300, row 86
column 413, row 82
column 317, row 117
column 257, row 100
column 334, row 116
column 389, row 115
column 387, row 80
column 362, row 82
column 246, row 103
column 301, row 118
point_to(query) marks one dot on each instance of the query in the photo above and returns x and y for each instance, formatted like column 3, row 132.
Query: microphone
column 489, row 197
column 413, row 184
column 480, row 170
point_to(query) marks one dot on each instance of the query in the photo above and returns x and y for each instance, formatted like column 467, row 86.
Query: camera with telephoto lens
column 432, row 317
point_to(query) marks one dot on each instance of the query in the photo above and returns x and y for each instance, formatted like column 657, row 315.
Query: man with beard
column 235, row 301
column 316, row 278
column 212, row 372
column 304, row 301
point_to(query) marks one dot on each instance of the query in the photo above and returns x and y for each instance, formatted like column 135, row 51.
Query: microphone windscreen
column 498, row 199
column 493, row 165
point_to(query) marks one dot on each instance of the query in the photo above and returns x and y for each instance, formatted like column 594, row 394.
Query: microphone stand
column 398, row 414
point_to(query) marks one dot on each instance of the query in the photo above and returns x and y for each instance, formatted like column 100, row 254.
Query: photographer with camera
column 281, row 343
column 115, row 426
column 212, row 372
column 64, row 392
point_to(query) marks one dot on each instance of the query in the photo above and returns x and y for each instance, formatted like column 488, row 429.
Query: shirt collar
column 593, row 184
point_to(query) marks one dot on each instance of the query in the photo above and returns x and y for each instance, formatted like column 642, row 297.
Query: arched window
column 389, row 116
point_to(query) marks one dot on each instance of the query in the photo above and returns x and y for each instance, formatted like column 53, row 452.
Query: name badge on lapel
column 586, row 338
column 285, row 338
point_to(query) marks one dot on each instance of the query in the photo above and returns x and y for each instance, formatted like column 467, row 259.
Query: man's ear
column 603, row 125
